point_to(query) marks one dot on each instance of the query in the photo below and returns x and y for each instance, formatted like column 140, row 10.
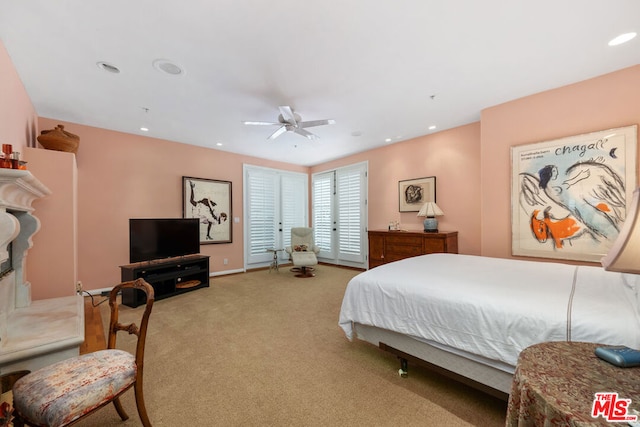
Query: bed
column 470, row 316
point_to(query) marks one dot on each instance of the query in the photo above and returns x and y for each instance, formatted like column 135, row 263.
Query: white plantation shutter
column 294, row 205
column 261, row 198
column 323, row 191
column 339, row 215
column 275, row 201
column 350, row 198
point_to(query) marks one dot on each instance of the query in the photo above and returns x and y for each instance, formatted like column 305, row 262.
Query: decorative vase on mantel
column 59, row 139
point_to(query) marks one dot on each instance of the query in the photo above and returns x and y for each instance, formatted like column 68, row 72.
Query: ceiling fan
column 292, row 122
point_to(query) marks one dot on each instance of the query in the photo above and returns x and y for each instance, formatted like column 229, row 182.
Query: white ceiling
column 382, row 69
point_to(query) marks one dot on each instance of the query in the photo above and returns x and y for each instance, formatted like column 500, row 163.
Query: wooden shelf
column 168, row 277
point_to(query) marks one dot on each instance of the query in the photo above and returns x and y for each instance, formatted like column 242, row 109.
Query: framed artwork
column 569, row 196
column 413, row 193
column 209, row 200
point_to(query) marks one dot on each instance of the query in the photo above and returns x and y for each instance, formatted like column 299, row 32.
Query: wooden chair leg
column 120, row 409
column 142, row 410
column 17, row 421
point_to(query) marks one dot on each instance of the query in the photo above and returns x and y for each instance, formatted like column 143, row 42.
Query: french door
column 340, row 215
column 275, row 201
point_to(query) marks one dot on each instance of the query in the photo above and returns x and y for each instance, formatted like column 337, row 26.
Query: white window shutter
column 350, row 199
column 323, row 192
column 261, row 189
column 294, row 204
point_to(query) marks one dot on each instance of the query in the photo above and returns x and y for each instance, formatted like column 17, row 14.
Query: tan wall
column 605, row 102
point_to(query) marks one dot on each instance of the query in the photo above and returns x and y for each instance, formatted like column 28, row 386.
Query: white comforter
column 494, row 307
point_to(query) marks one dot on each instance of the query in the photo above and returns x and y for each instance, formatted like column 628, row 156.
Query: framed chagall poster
column 209, row 200
column 569, row 196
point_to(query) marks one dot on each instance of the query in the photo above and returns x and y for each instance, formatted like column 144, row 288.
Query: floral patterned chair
column 63, row 393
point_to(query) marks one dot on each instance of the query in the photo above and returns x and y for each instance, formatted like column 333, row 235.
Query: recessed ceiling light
column 622, row 38
column 432, row 127
column 387, row 140
column 108, row 67
column 219, row 144
column 144, row 129
column 168, row 67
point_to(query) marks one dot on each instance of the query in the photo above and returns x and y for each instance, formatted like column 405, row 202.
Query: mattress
column 493, row 307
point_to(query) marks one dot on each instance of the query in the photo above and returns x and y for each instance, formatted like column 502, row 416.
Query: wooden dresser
column 388, row 246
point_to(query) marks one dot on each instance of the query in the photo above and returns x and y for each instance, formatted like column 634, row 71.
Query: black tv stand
column 169, row 277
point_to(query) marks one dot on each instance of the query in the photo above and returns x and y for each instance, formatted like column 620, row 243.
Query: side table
column 274, row 263
column 555, row 383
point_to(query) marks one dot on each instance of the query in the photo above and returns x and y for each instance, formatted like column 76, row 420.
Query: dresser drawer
column 404, row 240
column 403, row 250
column 433, row 246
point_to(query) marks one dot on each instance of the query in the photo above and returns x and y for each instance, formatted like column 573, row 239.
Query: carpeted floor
column 265, row 349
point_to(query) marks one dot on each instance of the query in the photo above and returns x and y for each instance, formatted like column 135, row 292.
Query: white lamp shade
column 624, row 255
column 430, row 209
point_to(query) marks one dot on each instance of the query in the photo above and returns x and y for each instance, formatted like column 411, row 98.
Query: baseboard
column 225, row 272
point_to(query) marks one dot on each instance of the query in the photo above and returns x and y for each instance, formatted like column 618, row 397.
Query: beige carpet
column 265, row 349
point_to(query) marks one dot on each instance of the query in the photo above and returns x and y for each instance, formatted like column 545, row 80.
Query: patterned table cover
column 555, row 384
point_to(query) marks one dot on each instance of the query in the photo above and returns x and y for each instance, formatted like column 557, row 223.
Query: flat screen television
column 157, row 238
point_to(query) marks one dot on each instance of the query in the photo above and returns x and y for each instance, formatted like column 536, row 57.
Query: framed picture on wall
column 413, row 193
column 209, row 200
column 569, row 195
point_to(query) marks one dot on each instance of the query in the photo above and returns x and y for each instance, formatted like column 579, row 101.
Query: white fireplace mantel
column 35, row 334
column 18, row 190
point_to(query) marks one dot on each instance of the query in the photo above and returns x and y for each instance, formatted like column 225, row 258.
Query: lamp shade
column 624, row 255
column 430, row 210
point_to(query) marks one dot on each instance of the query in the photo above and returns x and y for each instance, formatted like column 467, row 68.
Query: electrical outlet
column 79, row 287
column 225, row 261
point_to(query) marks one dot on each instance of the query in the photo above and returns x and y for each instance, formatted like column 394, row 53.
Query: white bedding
column 494, row 307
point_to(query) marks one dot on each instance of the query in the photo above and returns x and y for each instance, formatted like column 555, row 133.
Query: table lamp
column 624, row 256
column 430, row 210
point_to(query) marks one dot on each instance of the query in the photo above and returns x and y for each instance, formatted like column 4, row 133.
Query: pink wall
column 52, row 263
column 17, row 115
column 122, row 176
column 452, row 156
column 605, row 102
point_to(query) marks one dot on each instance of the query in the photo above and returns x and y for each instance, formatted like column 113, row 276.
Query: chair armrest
column 288, row 250
column 316, row 249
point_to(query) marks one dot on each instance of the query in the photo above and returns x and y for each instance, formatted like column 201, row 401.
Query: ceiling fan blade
column 312, row 123
column 277, row 133
column 261, row 123
column 287, row 115
column 306, row 134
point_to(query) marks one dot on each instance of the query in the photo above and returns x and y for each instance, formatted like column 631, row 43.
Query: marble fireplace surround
column 32, row 333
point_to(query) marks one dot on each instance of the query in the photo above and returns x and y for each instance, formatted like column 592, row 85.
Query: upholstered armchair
column 303, row 251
